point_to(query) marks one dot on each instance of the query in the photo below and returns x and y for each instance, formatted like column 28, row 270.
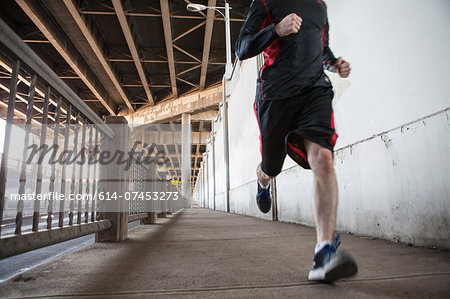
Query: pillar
column 186, row 159
column 226, row 154
column 213, row 163
column 114, row 177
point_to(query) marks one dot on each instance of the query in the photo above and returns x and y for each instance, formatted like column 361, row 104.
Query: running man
column 294, row 111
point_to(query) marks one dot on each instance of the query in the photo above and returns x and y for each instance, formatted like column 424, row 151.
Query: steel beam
column 26, row 81
column 207, row 42
column 189, row 70
column 132, row 47
column 155, row 15
column 161, row 61
column 36, row 41
column 186, row 53
column 169, row 45
column 189, row 31
column 96, row 48
column 11, row 40
column 187, row 82
column 35, row 14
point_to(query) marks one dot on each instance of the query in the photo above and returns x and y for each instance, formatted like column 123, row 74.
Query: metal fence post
column 161, row 185
column 23, row 172
column 151, row 219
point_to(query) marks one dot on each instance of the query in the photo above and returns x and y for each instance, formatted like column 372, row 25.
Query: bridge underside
column 104, row 51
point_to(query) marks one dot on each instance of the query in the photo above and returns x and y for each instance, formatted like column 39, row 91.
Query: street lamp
column 199, row 7
column 228, row 67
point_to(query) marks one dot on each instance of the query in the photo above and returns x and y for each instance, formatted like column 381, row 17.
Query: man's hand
column 290, row 24
column 343, row 67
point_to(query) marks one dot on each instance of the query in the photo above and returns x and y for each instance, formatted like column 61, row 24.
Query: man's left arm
column 330, row 62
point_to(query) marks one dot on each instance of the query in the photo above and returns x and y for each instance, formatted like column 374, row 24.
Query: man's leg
column 263, row 198
column 325, row 190
column 315, row 122
column 274, row 121
column 263, row 178
column 328, row 265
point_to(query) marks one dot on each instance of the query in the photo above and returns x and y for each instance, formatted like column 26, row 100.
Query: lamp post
column 199, row 7
column 226, row 78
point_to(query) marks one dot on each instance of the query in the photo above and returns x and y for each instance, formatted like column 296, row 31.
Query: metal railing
column 50, row 117
column 150, row 186
column 59, row 157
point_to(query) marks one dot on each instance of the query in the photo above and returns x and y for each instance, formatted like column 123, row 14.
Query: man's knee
column 321, row 160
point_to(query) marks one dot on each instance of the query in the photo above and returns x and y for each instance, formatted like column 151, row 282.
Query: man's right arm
column 257, row 33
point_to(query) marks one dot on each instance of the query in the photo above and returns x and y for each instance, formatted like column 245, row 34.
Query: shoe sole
column 264, row 209
column 341, row 267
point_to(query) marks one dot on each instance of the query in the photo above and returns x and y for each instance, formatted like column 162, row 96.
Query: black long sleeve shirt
column 292, row 63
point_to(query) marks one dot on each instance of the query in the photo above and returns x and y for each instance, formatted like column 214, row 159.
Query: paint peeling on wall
column 387, row 141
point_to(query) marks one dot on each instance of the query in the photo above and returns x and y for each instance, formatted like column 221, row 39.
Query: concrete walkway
column 204, row 253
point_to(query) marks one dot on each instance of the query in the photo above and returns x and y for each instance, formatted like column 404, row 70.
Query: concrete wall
column 392, row 157
column 172, row 109
column 398, row 50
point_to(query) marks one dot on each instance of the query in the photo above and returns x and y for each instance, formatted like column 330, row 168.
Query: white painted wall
column 393, row 154
column 244, row 143
column 399, row 51
column 394, row 186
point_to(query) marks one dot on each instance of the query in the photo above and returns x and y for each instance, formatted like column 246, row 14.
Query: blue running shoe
column 263, row 199
column 329, row 266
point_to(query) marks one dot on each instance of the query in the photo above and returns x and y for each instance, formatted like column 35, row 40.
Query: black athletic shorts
column 283, row 125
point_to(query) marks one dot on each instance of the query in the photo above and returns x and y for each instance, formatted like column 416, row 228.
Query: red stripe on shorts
column 259, row 128
column 298, row 151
